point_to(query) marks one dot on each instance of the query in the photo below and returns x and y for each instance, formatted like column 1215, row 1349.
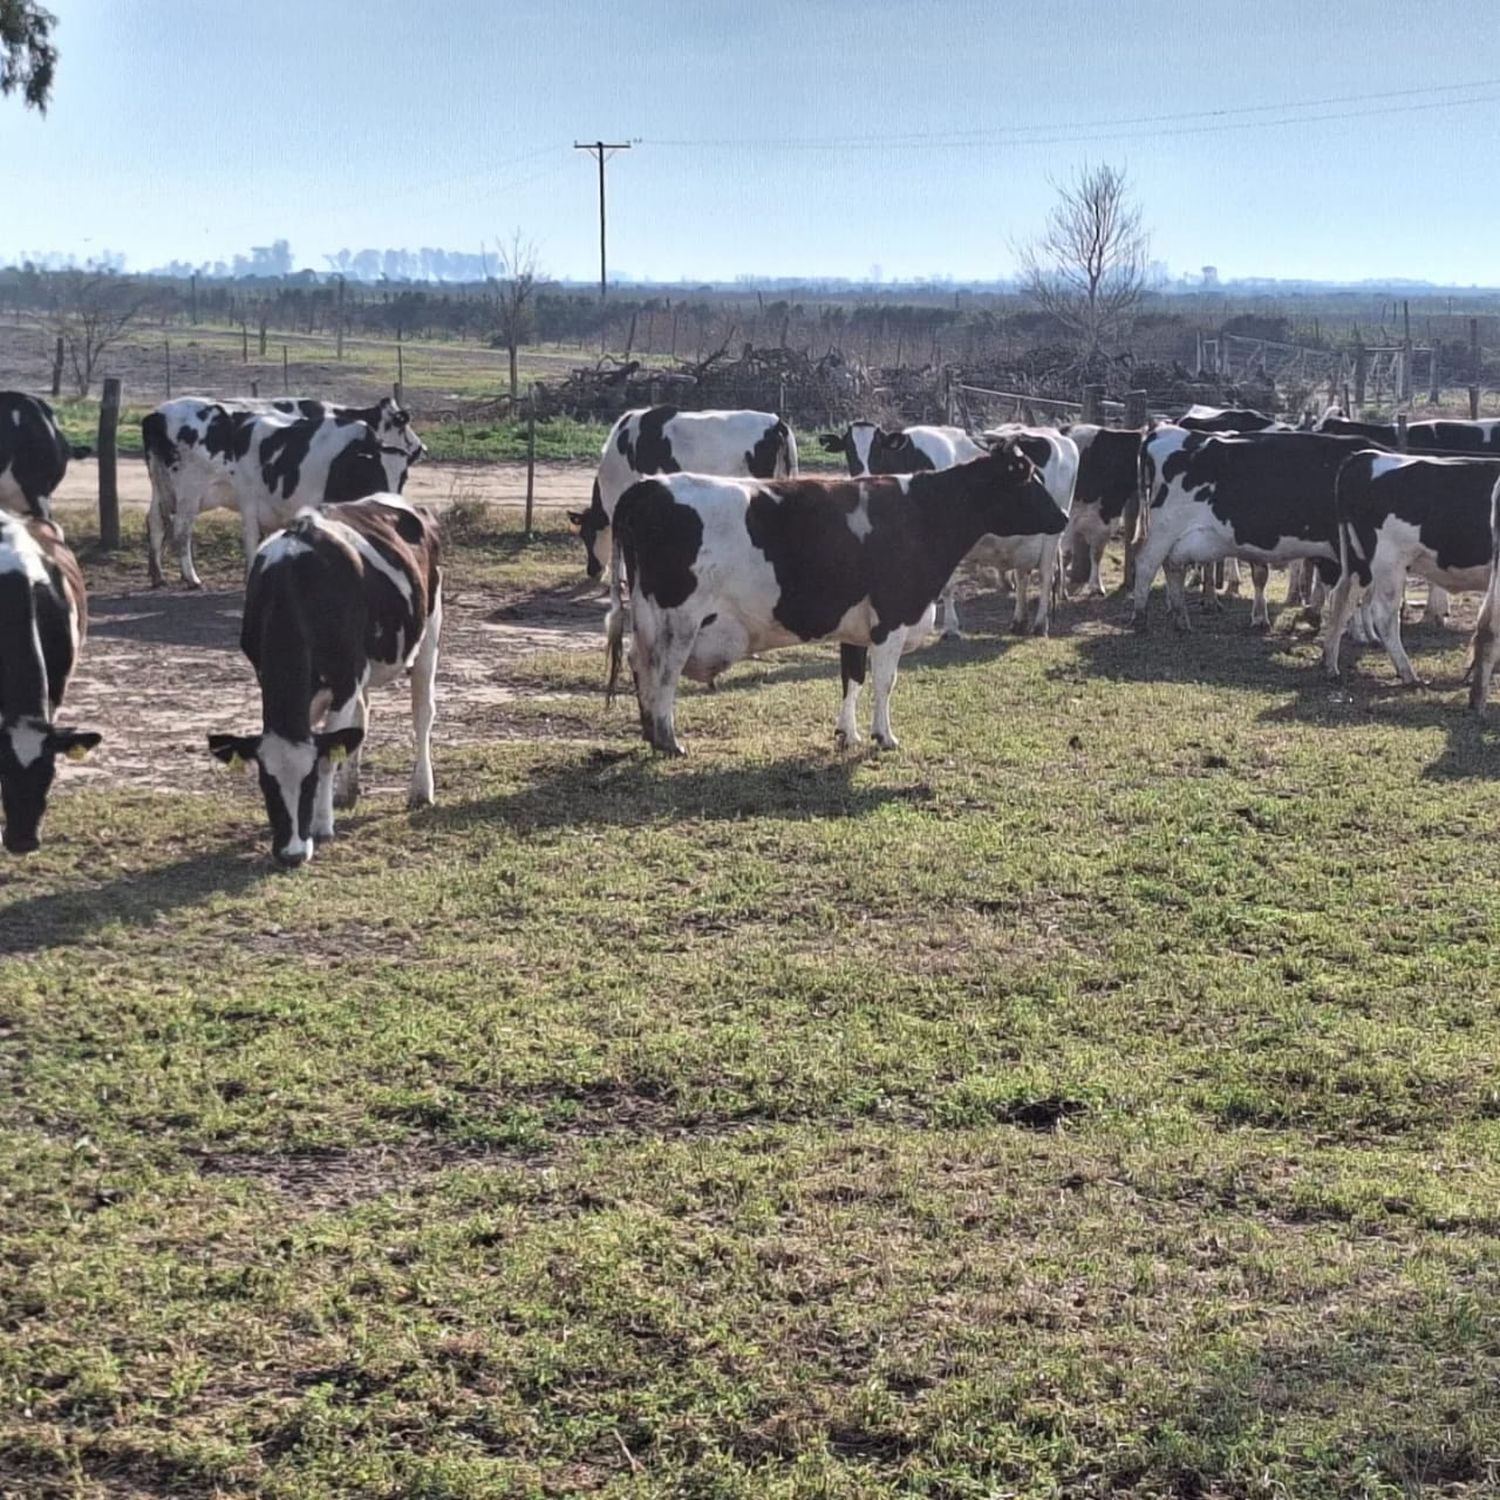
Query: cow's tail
column 786, row 452
column 621, row 569
column 1487, row 627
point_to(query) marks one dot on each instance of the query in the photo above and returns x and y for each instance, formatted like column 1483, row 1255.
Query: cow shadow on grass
column 135, row 898
column 209, row 619
column 633, row 788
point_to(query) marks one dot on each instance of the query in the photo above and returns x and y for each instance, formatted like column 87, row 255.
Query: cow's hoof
column 345, row 797
column 844, row 740
column 196, row 584
column 419, row 797
column 1018, row 627
column 886, row 742
column 1042, row 628
column 952, row 634
column 1260, row 626
column 668, row 747
column 323, row 835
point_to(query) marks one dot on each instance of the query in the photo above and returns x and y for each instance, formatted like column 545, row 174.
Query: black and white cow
column 1109, row 477
column 344, row 599
column 1229, row 419
column 1266, row 497
column 1434, row 435
column 718, row 569
column 1484, row 646
column 267, row 460
column 663, row 440
column 868, row 449
column 43, row 619
column 1403, row 513
column 33, row 453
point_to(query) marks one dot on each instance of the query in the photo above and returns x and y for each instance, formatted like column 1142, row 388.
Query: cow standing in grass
column 718, row 569
column 43, row 619
column 663, row 440
column 343, row 600
column 267, row 460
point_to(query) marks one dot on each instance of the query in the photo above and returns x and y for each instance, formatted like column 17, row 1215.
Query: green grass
column 1098, row 1096
column 558, row 439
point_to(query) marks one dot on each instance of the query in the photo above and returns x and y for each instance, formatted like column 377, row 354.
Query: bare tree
column 27, row 57
column 1088, row 267
column 91, row 310
column 515, row 288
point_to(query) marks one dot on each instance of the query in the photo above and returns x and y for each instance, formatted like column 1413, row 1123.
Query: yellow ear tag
column 235, row 761
column 337, row 754
column 77, row 752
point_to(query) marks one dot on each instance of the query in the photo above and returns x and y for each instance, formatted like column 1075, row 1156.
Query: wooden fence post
column 1135, row 408
column 109, row 494
column 57, row 364
column 1361, row 372
column 286, row 379
column 1093, row 404
column 1406, row 381
column 400, row 373
column 167, row 344
column 255, row 390
column 1401, row 440
column 530, row 452
column 339, row 320
column 1473, row 369
column 262, row 335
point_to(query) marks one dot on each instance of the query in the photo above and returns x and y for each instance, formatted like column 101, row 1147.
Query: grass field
column 1096, row 1097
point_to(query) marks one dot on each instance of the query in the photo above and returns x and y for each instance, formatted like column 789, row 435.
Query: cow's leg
column 345, row 779
column 1347, row 594
column 1211, row 579
column 1438, row 605
column 1177, row 609
column 852, row 663
column 249, row 535
column 1260, row 611
column 1231, row 575
column 1385, row 610
column 1484, row 647
column 1018, row 616
column 424, row 706
column 661, row 651
column 949, row 600
column 884, row 659
column 1096, row 566
column 331, row 778
column 182, row 544
column 1147, row 562
column 156, row 527
column 1048, row 574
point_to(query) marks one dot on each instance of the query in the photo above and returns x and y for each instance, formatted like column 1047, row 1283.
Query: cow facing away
column 663, row 440
column 868, row 449
column 343, row 600
column 267, row 460
column 1400, row 514
column 43, row 620
column 1266, row 497
column 1109, row 476
column 1228, row 419
column 33, row 454
column 718, row 569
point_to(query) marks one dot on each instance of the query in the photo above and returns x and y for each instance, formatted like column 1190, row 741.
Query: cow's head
column 396, row 434
column 290, row 774
column 870, row 449
column 594, row 528
column 29, row 748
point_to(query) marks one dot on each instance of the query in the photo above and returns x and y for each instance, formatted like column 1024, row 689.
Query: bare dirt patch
column 163, row 667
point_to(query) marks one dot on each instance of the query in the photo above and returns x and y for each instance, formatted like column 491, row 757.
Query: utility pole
column 597, row 149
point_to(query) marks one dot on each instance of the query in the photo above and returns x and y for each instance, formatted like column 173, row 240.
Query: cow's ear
column 335, row 744
column 831, row 442
column 234, row 749
column 74, row 743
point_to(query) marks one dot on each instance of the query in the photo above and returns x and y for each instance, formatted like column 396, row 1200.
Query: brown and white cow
column 344, row 599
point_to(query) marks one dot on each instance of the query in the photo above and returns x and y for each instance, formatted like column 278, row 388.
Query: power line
column 1089, row 130
column 597, row 149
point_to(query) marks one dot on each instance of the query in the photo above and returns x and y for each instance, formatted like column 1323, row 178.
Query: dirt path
column 162, row 668
column 557, row 485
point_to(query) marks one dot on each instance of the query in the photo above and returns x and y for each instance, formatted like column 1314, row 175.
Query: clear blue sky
column 190, row 129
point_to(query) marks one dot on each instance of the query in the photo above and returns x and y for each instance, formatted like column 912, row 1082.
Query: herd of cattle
column 721, row 550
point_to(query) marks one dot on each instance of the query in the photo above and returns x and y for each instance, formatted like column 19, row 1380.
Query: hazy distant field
column 1098, row 1096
